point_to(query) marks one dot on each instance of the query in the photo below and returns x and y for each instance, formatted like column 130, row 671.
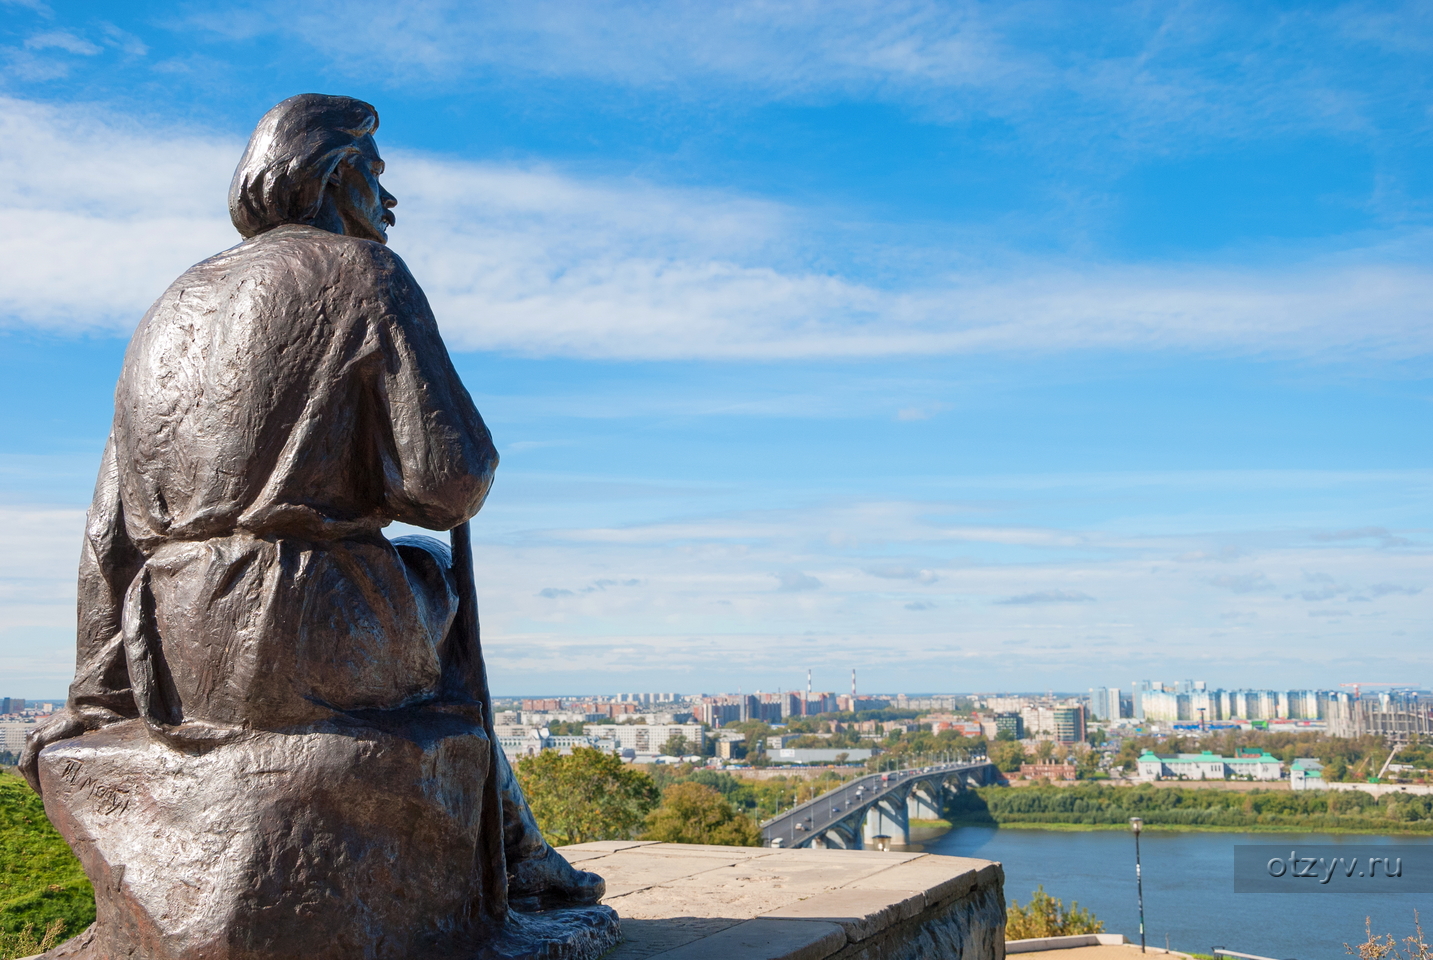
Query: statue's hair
column 295, row 148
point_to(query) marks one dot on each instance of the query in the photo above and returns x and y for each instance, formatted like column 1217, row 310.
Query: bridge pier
column 923, row 805
column 840, row 836
column 887, row 817
column 875, row 805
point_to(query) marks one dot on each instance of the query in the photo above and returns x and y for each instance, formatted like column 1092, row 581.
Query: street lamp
column 1136, row 825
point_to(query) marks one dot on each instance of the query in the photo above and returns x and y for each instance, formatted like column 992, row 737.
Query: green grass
column 40, row 879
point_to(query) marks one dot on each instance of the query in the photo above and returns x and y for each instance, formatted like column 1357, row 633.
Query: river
column 1188, row 888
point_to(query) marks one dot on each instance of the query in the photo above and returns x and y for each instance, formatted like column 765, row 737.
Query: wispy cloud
column 898, row 572
column 62, row 40
column 1242, row 582
column 745, row 597
column 1046, row 596
column 794, row 581
column 1140, row 75
column 97, row 217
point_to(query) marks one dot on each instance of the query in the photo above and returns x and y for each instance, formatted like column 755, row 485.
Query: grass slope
column 40, row 879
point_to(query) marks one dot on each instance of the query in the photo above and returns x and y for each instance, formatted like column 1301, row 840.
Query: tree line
column 1097, row 804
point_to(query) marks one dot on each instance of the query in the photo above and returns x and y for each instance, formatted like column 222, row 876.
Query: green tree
column 590, row 795
column 696, row 813
column 677, row 746
column 566, row 728
column 1046, row 916
column 1007, row 755
column 756, row 733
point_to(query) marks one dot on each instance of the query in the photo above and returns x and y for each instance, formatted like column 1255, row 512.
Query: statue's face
column 365, row 208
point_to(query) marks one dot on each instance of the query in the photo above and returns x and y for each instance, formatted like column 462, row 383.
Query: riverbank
column 1181, row 828
column 1098, row 807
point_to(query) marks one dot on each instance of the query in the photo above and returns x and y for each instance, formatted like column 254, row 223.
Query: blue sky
column 973, row 346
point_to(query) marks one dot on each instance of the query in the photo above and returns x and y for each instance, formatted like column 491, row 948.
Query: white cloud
column 731, row 605
column 899, row 572
column 1242, row 582
column 97, row 216
column 1149, row 75
column 62, row 40
column 794, row 581
column 1046, row 596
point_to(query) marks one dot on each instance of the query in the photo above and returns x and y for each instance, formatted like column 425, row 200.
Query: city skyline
column 973, row 350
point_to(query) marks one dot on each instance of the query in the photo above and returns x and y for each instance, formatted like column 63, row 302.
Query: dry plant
column 1379, row 946
column 24, row 944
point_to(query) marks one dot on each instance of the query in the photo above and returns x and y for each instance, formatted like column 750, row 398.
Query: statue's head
column 312, row 160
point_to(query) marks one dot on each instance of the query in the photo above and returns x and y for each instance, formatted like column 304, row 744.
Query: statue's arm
column 109, row 561
column 442, row 455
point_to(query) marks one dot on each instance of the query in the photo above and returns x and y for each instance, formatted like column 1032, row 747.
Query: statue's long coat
column 280, row 404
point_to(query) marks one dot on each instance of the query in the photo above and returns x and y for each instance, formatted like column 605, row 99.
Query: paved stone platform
column 690, row 902
column 1116, row 951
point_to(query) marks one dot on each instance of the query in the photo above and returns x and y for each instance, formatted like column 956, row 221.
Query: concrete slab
column 748, row 888
column 861, row 913
column 682, row 902
column 608, row 846
column 1122, row 951
column 631, row 871
column 689, row 851
column 764, row 939
column 938, row 878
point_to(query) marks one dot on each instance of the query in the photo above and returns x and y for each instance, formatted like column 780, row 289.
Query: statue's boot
column 539, row 878
column 547, row 881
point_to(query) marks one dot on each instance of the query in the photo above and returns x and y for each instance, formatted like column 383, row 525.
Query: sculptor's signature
column 110, row 799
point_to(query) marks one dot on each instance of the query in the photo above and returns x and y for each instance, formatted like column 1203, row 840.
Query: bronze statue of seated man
column 278, row 739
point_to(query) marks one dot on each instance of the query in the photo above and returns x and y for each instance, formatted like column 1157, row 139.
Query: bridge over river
column 878, row 805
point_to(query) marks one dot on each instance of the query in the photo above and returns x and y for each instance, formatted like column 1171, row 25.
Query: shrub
column 1047, row 916
column 696, row 813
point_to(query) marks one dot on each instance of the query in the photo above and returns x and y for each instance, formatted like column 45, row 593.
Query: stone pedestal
column 338, row 842
column 688, row 902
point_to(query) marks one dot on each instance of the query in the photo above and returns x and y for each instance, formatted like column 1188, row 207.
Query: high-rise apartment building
column 1069, row 724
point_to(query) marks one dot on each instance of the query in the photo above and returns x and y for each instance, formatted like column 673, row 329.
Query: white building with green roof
column 1209, row 766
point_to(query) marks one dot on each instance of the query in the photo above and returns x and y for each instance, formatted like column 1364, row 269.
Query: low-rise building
column 646, row 738
column 1049, row 771
column 1210, row 766
column 532, row 742
column 814, row 755
column 1306, row 773
column 966, row 728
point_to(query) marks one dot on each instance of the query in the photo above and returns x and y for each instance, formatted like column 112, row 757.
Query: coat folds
column 280, row 404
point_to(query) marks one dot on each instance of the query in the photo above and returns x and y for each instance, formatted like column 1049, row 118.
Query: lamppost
column 1135, row 825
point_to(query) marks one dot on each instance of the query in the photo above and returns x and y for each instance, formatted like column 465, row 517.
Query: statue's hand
column 60, row 725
